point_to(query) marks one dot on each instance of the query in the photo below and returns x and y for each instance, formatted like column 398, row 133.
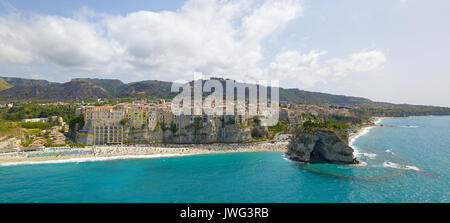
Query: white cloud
column 221, row 38
column 307, row 70
column 359, row 62
column 269, row 17
column 13, row 45
column 63, row 41
column 303, row 68
column 204, row 36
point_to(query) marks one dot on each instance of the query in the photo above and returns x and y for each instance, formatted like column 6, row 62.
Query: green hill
column 297, row 96
column 4, row 85
column 22, row 82
column 19, row 89
column 112, row 86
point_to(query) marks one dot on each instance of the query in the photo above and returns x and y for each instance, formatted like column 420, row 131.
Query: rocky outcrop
column 321, row 145
column 8, row 143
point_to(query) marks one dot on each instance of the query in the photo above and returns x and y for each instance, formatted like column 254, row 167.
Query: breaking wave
column 378, row 121
column 287, row 158
column 92, row 159
column 356, row 151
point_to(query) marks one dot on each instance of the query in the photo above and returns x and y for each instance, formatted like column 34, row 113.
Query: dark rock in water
column 321, row 145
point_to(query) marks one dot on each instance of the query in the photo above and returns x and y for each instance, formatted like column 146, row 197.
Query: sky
column 386, row 50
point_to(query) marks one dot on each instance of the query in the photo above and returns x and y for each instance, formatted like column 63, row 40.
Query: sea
column 406, row 160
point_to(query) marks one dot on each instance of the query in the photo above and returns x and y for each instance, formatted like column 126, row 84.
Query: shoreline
column 105, row 153
column 108, row 153
column 361, row 131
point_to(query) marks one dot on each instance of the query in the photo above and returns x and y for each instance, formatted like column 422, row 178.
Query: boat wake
column 360, row 164
column 409, row 126
column 400, row 166
column 370, row 155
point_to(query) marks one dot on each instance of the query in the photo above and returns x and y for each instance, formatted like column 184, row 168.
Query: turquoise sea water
column 407, row 161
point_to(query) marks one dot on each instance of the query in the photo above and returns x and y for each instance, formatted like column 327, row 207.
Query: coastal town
column 150, row 127
column 245, row 103
column 143, row 119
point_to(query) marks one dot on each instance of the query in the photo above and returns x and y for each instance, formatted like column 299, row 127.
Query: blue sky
column 66, row 8
column 387, row 50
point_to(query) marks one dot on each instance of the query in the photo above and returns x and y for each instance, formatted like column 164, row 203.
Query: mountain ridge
column 22, row 89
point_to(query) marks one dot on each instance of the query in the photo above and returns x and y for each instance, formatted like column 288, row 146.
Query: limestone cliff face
column 320, row 145
column 6, row 144
column 192, row 133
column 10, row 139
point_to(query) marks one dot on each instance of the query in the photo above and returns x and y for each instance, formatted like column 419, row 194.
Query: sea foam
column 378, row 121
column 287, row 158
column 356, row 152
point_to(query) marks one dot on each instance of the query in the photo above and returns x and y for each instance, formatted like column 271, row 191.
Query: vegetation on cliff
column 330, row 124
column 390, row 110
column 4, row 85
column 11, row 135
column 34, row 110
column 36, row 125
column 76, row 122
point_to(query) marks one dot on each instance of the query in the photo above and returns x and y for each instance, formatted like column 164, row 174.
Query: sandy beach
column 360, row 131
column 105, row 153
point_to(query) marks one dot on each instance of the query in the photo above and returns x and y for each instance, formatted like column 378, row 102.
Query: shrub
column 36, row 125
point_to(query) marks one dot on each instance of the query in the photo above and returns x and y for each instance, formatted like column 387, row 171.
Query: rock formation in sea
column 316, row 145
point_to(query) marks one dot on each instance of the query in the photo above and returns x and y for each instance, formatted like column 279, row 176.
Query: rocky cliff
column 321, row 145
column 11, row 139
column 7, row 144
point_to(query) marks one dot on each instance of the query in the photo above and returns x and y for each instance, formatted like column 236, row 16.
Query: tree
column 196, row 125
column 36, row 125
column 74, row 121
column 256, row 120
column 231, row 121
column 258, row 132
column 330, row 123
column 163, row 126
column 173, row 128
column 281, row 126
